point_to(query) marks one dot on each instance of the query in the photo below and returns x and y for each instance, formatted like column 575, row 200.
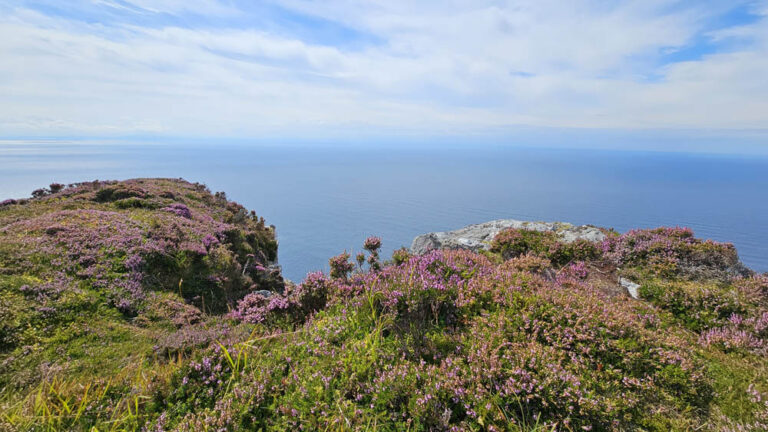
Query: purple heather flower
column 210, row 241
column 133, row 262
column 180, row 210
column 340, row 266
column 372, row 244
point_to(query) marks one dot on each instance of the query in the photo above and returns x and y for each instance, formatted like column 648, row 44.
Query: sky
column 672, row 73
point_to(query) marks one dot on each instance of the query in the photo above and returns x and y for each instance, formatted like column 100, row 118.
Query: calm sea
column 324, row 201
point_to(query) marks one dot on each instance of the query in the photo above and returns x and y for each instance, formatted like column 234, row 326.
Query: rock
column 479, row 236
column 631, row 287
column 264, row 293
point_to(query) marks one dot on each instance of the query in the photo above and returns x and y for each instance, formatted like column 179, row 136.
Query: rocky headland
column 479, row 236
column 157, row 305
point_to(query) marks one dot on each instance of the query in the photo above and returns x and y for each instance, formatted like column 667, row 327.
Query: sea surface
column 327, row 200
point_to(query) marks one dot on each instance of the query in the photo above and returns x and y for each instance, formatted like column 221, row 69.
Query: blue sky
column 387, row 69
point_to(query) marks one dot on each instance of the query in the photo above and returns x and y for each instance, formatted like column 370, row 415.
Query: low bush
column 171, row 318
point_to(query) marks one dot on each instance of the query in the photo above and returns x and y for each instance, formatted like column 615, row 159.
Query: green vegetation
column 151, row 305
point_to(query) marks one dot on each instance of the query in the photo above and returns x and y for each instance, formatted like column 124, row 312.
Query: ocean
column 325, row 200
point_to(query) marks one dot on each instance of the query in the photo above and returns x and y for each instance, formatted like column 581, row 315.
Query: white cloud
column 203, row 7
column 454, row 67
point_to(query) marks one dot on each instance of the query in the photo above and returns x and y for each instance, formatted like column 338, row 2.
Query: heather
column 95, row 276
column 152, row 305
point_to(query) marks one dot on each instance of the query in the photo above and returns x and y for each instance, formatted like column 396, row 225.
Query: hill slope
column 150, row 304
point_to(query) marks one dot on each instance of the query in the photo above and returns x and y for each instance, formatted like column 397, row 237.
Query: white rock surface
column 631, row 287
column 479, row 236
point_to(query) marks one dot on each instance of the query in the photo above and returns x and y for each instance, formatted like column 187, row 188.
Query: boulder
column 479, row 236
column 631, row 287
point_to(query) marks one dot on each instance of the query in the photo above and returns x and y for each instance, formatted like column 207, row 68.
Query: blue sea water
column 327, row 200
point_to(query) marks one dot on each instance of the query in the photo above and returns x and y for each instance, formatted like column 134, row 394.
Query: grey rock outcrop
column 631, row 287
column 479, row 236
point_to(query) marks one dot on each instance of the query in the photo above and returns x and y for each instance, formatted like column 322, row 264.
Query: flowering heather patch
column 529, row 262
column 451, row 341
column 210, row 241
column 293, row 306
column 372, row 244
column 179, row 210
column 134, row 317
column 340, row 266
column 673, row 251
column 85, row 254
column 740, row 333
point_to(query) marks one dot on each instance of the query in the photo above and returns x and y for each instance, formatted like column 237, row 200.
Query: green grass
column 456, row 339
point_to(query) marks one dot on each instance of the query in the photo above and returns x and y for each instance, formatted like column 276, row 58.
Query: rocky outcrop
column 479, row 236
column 631, row 287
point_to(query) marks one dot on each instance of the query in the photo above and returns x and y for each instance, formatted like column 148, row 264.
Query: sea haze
column 327, row 200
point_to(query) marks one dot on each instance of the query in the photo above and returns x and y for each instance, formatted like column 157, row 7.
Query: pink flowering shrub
column 674, row 251
column 450, row 340
column 529, row 262
column 372, row 244
column 179, row 210
column 730, row 317
column 294, row 306
column 740, row 333
column 340, row 266
column 698, row 306
column 576, row 270
column 753, row 288
column 137, row 318
column 82, row 266
column 758, row 421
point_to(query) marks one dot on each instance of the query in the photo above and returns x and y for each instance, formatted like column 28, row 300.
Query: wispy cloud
column 299, row 68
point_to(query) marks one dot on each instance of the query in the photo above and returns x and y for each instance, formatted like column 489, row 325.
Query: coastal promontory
column 158, row 305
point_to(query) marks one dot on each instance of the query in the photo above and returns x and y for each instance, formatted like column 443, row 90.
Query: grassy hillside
column 150, row 304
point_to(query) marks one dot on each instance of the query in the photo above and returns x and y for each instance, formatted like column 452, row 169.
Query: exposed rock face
column 632, row 288
column 479, row 236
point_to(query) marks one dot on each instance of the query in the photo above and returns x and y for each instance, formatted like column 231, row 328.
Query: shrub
column 94, row 288
column 400, row 256
column 340, row 266
column 449, row 340
column 39, row 193
column 112, row 320
column 179, row 210
column 578, row 250
column 729, row 317
column 699, row 307
column 120, row 191
column 528, row 263
column 672, row 252
column 511, row 243
column 372, row 244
